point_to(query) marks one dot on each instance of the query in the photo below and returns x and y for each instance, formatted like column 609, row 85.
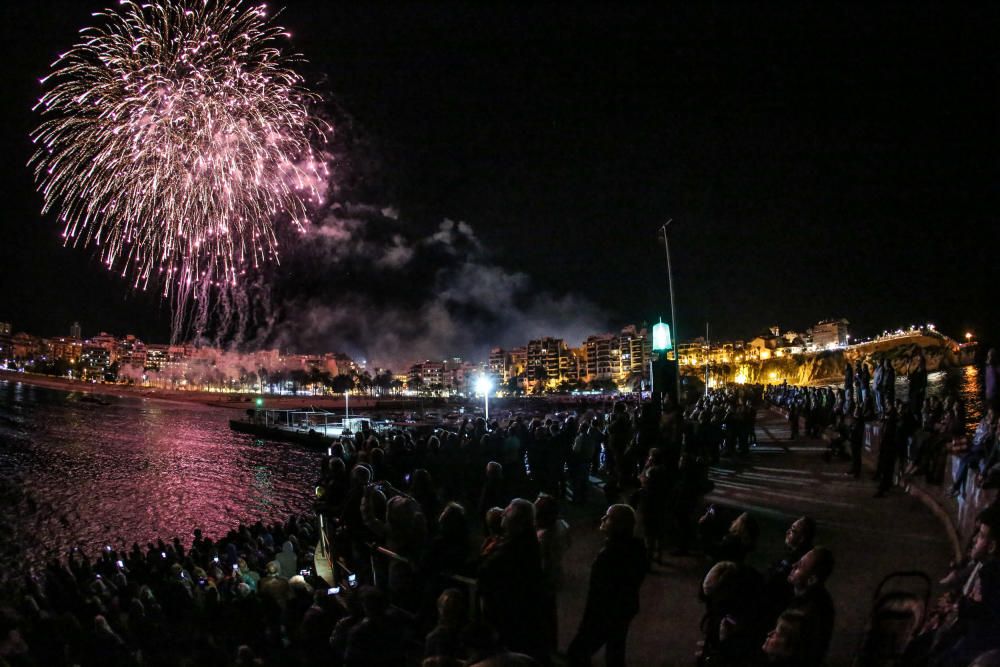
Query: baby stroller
column 899, row 608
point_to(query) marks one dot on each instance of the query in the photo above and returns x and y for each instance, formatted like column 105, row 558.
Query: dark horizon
column 817, row 163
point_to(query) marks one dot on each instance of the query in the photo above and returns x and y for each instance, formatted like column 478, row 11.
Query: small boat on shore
column 312, row 428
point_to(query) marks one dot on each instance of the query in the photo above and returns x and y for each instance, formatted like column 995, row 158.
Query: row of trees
column 314, row 381
column 540, row 384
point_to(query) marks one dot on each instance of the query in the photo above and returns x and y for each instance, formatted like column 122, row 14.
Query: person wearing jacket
column 613, row 596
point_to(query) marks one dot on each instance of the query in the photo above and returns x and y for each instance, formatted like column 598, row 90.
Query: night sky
column 816, row 161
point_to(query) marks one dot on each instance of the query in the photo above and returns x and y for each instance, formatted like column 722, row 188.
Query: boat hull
column 309, row 438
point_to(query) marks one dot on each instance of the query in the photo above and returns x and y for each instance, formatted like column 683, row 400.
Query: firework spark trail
column 173, row 135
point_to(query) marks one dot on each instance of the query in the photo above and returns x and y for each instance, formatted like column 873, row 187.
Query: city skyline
column 604, row 359
column 799, row 183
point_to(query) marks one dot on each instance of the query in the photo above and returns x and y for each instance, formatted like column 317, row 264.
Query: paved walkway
column 780, row 481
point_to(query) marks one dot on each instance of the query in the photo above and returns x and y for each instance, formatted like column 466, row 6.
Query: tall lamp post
column 483, row 386
column 673, row 313
column 661, row 344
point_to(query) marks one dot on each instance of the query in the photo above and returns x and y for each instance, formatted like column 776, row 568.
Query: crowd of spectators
column 447, row 548
column 214, row 602
column 917, row 432
column 436, row 554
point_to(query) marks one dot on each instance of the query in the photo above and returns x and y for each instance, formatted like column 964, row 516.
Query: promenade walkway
column 780, row 481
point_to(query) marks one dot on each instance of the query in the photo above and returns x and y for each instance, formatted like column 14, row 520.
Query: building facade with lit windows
column 64, row 349
column 132, row 351
column 549, row 362
column 830, row 334
column 451, row 376
column 692, row 353
column 6, row 343
column 95, row 361
column 24, row 346
column 635, row 351
column 601, row 354
column 499, row 364
column 157, row 357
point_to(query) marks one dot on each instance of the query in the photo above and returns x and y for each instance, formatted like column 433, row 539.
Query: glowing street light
column 968, row 336
column 484, row 386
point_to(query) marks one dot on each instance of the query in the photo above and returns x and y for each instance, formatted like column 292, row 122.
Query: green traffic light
column 260, row 402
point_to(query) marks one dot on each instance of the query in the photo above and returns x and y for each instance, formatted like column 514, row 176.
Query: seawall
column 827, row 366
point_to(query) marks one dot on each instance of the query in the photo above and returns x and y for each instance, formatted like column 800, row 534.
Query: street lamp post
column 483, row 386
column 673, row 313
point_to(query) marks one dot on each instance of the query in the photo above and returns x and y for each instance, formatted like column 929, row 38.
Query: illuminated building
column 96, row 360
column 549, row 362
column 830, row 333
column 24, row 346
column 132, row 351
column 449, row 376
column 692, row 353
column 428, row 375
column 519, row 360
column 601, row 354
column 105, row 341
column 500, row 364
column 6, row 343
column 762, row 347
column 616, row 357
column 157, row 357
column 75, row 331
column 63, row 349
column 635, row 350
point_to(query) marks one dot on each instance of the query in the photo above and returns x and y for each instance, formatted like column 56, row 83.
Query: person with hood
column 288, row 562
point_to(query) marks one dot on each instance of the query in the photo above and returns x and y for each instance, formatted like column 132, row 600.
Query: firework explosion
column 172, row 137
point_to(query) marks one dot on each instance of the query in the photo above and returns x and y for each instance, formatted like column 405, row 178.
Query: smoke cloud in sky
column 363, row 282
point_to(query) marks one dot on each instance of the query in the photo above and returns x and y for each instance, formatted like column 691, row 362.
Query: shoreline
column 239, row 402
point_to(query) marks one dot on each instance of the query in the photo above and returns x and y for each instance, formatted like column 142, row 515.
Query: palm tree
column 364, row 382
column 278, row 378
column 603, row 385
column 341, row 383
column 568, row 385
column 383, row 382
column 298, row 377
